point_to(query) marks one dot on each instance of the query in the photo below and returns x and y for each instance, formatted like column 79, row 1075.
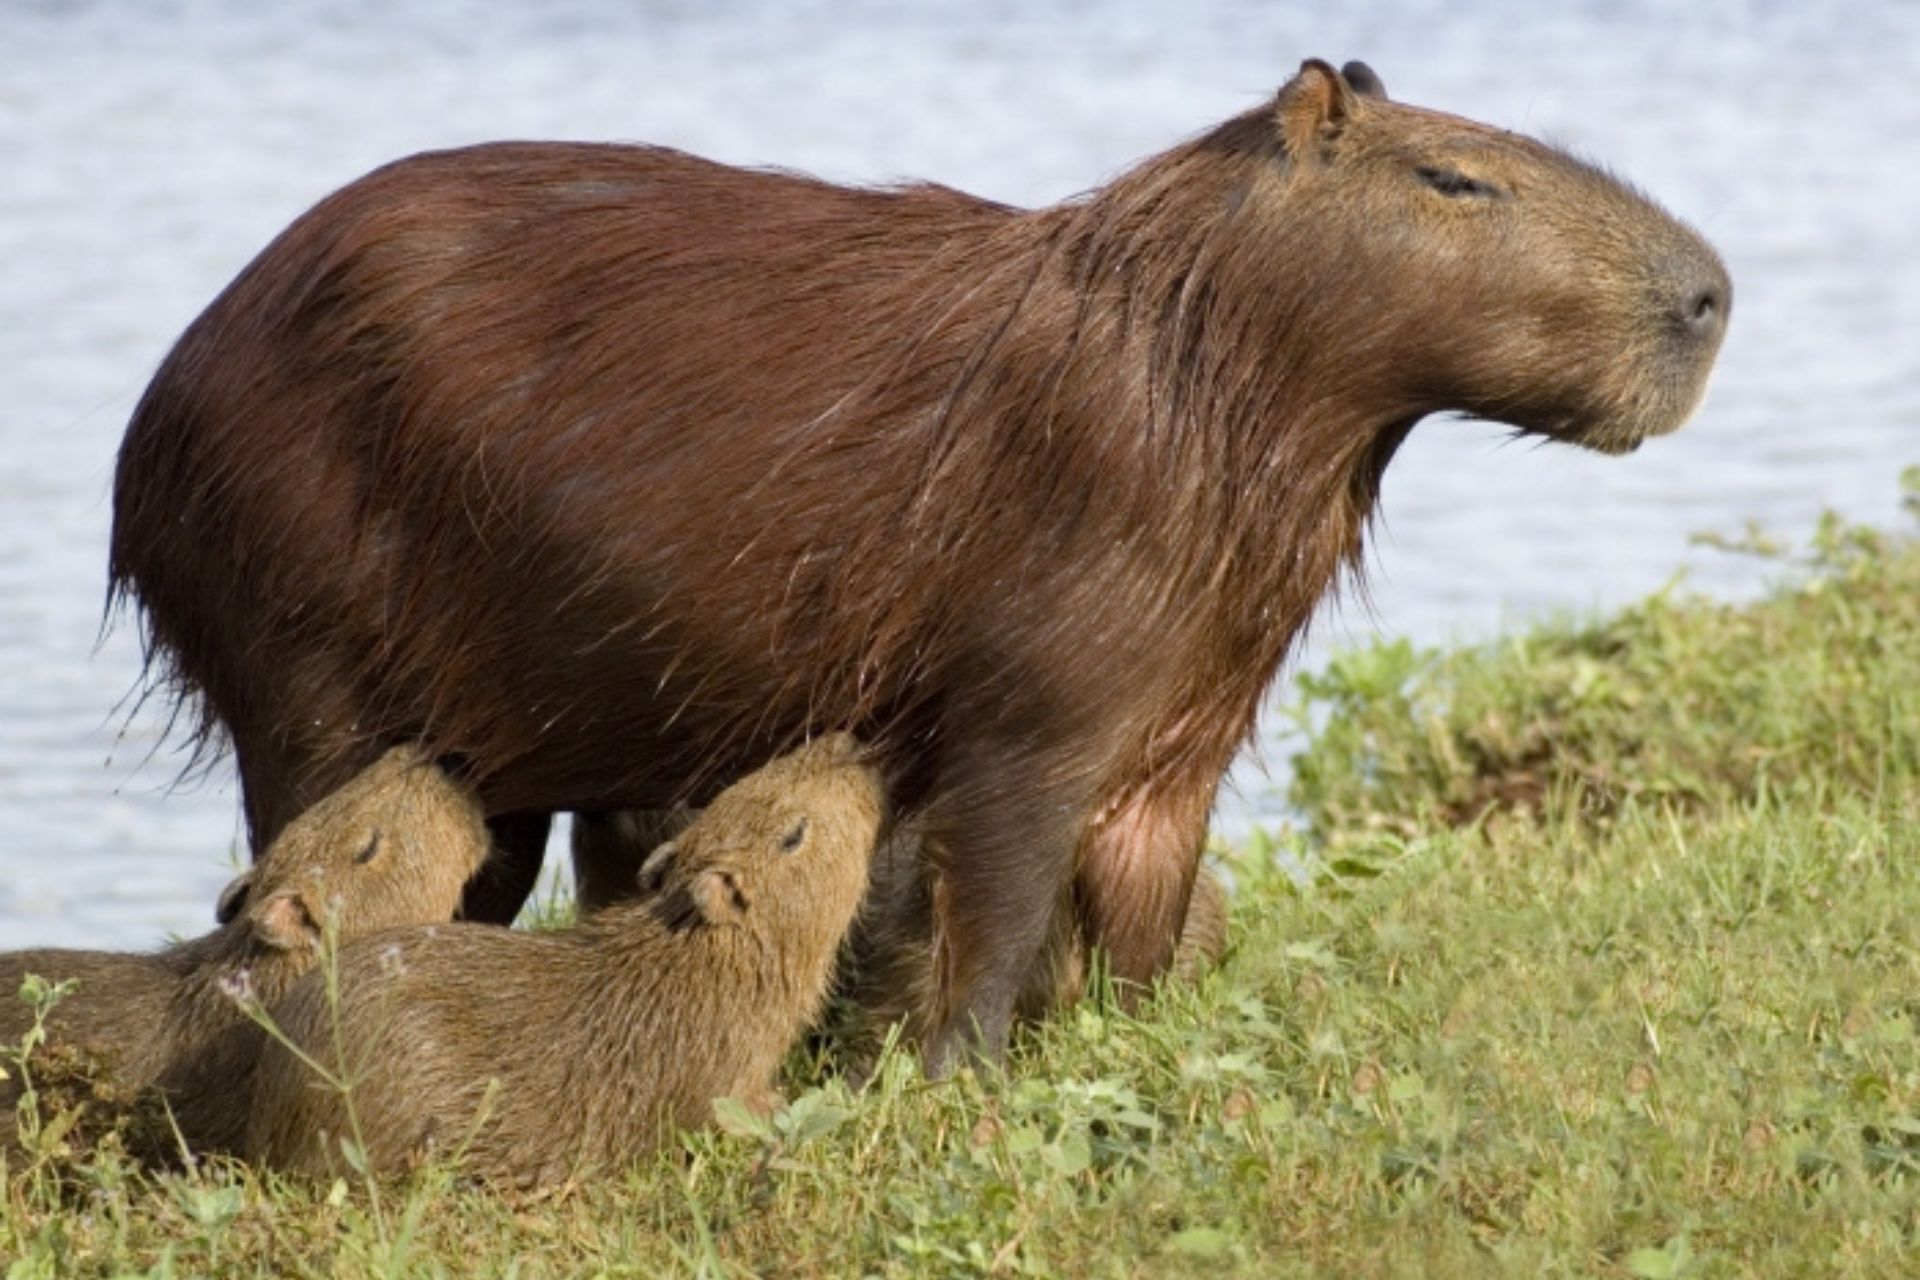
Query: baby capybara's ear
column 233, row 898
column 716, row 894
column 1361, row 79
column 653, row 871
column 1313, row 108
column 284, row 922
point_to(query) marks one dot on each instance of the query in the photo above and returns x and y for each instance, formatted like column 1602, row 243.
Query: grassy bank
column 1614, row 969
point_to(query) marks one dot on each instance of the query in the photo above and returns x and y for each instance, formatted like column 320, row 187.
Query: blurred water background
column 149, row 148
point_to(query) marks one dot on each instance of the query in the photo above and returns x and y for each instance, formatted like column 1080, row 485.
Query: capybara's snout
column 1692, row 298
column 837, row 750
column 848, row 769
column 1697, row 301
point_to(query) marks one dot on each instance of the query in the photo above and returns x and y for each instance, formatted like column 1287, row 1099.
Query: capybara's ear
column 653, row 871
column 717, row 895
column 233, row 898
column 1313, row 108
column 1362, row 80
column 282, row 921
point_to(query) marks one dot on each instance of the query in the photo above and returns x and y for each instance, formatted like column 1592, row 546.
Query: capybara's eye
column 795, row 837
column 367, row 854
column 1451, row 182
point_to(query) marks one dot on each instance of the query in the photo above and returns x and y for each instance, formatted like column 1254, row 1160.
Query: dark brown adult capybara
column 394, row 846
column 542, row 1055
column 615, row 471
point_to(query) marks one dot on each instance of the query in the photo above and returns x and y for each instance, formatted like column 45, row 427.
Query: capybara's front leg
column 505, row 881
column 999, row 881
column 1136, row 875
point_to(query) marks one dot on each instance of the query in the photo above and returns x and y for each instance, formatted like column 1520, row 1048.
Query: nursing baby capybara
column 614, row 471
column 396, row 845
column 542, row 1055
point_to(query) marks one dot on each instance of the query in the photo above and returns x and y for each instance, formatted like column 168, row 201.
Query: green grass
column 1673, row 700
column 1612, row 968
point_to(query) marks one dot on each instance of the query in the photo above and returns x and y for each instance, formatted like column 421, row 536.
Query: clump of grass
column 1673, row 1033
column 1677, row 699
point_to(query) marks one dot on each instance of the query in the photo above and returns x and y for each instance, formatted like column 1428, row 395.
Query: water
column 151, row 149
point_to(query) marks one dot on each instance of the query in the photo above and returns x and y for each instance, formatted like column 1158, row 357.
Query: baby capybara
column 539, row 1055
column 396, row 845
column 1034, row 501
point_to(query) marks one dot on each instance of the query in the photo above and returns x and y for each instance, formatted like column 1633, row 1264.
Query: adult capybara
column 539, row 1055
column 614, row 471
column 394, row 846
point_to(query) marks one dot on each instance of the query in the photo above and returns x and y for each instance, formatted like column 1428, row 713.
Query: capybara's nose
column 837, row 748
column 1704, row 298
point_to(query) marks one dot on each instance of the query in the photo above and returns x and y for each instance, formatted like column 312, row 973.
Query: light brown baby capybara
column 542, row 1055
column 1034, row 501
column 396, row 845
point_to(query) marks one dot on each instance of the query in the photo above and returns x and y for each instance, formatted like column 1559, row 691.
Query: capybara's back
column 613, row 471
column 538, row 1055
column 393, row 846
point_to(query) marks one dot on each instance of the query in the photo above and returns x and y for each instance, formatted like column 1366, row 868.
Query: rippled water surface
column 151, row 149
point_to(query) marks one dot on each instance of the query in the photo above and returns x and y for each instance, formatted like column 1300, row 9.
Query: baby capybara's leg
column 609, row 846
column 506, row 879
column 1136, row 875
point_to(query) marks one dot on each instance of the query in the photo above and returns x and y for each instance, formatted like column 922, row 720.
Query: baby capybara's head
column 394, row 846
column 1491, row 274
column 784, row 851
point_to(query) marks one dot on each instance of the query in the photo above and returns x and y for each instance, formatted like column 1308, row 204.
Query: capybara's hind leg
column 295, row 724
column 1136, row 875
column 609, row 846
column 281, row 777
column 269, row 796
column 506, row 880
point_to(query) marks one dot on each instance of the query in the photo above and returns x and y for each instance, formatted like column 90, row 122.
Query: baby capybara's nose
column 837, row 749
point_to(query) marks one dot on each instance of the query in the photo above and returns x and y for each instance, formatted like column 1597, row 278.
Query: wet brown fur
column 615, row 471
column 543, row 1055
column 174, row 1018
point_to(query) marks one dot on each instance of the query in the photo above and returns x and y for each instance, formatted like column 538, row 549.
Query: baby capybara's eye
column 368, row 854
column 795, row 837
column 1451, row 182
